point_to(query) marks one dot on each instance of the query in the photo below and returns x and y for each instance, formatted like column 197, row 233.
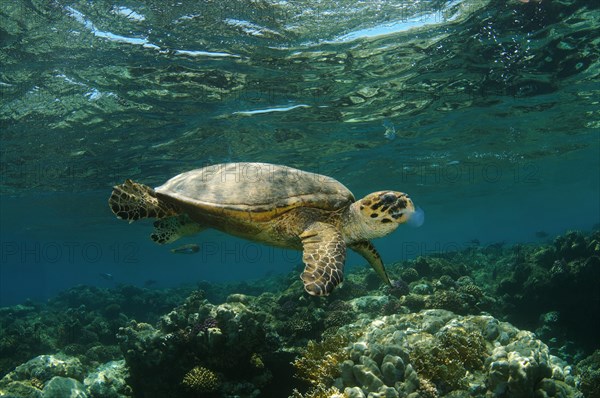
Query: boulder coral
column 438, row 353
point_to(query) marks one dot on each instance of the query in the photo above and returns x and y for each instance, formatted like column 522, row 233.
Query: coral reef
column 445, row 358
column 228, row 337
column 59, row 376
column 436, row 353
column 44, row 367
column 109, row 380
column 530, row 285
column 61, row 387
column 542, row 280
column 589, row 370
column 435, row 333
column 409, row 274
column 82, row 321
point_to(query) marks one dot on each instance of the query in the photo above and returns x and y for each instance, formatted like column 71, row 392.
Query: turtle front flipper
column 368, row 251
column 132, row 201
column 170, row 229
column 324, row 257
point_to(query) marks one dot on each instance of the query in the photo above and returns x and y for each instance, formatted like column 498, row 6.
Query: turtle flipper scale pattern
column 169, row 229
column 324, row 257
column 132, row 201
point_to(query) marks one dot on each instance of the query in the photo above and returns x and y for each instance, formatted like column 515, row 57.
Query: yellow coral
column 319, row 363
column 446, row 361
column 427, row 389
column 36, row 383
column 256, row 361
column 201, row 380
column 320, row 391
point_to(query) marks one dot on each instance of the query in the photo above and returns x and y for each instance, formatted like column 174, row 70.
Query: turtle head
column 381, row 212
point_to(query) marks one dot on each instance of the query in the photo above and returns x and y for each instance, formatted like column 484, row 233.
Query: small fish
column 150, row 282
column 186, row 249
column 107, row 276
column 390, row 130
column 541, row 234
column 475, row 242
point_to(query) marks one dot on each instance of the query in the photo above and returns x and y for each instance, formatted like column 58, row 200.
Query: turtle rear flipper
column 324, row 256
column 369, row 253
column 132, row 201
column 170, row 229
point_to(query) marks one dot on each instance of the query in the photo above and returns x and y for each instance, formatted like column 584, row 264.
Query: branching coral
column 448, row 300
column 409, row 274
column 201, row 380
column 320, row 391
column 471, row 289
column 468, row 346
column 446, row 360
column 319, row 363
column 256, row 361
column 589, row 370
column 336, row 319
column 427, row 389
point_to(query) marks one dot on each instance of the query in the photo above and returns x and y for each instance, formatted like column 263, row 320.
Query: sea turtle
column 271, row 204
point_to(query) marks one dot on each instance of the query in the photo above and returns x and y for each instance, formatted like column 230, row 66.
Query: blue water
column 57, row 240
column 493, row 107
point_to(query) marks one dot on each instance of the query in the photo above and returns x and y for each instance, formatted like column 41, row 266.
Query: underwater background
column 487, row 113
